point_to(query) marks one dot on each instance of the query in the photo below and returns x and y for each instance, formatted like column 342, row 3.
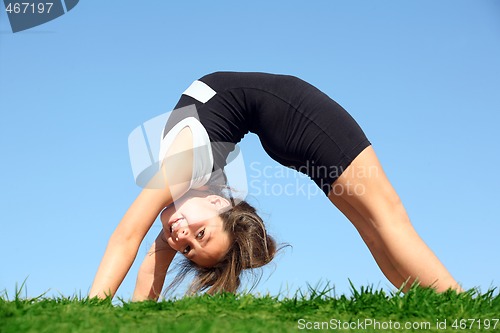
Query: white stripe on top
column 200, row 91
column 203, row 160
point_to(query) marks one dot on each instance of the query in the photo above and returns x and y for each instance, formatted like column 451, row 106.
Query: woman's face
column 193, row 227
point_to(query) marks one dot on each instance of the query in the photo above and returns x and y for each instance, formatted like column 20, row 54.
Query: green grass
column 365, row 310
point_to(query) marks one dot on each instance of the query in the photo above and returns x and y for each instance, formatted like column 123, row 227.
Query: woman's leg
column 371, row 239
column 365, row 195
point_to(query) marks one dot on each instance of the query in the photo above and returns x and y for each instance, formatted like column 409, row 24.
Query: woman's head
column 194, row 228
column 238, row 240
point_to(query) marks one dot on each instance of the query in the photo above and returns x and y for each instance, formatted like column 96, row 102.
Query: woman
column 298, row 126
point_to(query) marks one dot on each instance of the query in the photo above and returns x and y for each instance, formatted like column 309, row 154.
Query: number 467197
column 29, row 8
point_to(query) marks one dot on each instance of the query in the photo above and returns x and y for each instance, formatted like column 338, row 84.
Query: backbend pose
column 298, row 126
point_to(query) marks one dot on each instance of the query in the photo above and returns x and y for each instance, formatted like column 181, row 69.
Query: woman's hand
column 153, row 270
column 125, row 241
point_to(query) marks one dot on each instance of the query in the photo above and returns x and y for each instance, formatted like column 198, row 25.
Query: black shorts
column 299, row 126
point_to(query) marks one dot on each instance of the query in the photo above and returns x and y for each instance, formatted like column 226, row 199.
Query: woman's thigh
column 365, row 186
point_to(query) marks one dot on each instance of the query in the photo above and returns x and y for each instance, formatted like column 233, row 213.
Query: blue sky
column 421, row 77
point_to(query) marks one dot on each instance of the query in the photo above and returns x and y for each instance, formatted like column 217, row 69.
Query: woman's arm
column 125, row 241
column 153, row 270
